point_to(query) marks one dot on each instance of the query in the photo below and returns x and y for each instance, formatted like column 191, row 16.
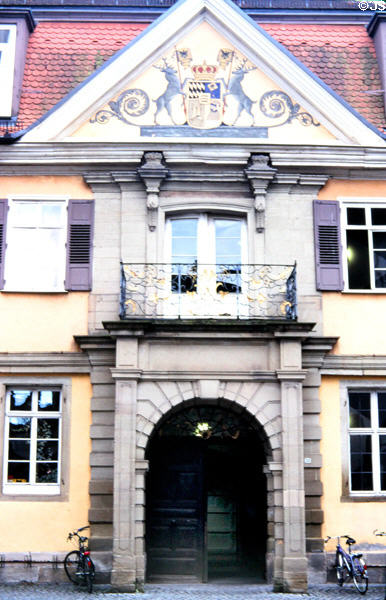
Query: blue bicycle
column 350, row 564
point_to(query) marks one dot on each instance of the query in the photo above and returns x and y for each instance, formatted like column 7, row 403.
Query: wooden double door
column 206, row 510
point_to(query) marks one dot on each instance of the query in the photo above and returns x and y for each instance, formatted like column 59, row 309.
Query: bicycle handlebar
column 350, row 540
column 76, row 532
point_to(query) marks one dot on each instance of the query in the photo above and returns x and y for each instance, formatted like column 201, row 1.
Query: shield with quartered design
column 204, row 97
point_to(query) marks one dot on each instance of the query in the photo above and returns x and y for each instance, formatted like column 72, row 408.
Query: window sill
column 15, row 291
column 377, row 291
column 21, row 489
column 367, row 498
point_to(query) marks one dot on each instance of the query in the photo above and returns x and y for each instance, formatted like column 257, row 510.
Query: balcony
column 208, row 291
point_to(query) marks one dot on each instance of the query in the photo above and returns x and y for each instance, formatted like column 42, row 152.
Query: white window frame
column 374, row 431
column 206, row 301
column 16, row 283
column 32, row 488
column 7, row 70
column 367, row 204
column 206, row 240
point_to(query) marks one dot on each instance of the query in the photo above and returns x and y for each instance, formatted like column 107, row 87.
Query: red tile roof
column 61, row 55
column 343, row 56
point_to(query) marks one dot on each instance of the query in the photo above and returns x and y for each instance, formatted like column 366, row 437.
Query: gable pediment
column 205, row 72
column 203, row 87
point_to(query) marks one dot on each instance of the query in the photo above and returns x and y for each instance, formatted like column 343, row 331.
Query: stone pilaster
column 123, row 576
column 293, row 576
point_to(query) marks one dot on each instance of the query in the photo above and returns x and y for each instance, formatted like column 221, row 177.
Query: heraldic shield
column 204, row 98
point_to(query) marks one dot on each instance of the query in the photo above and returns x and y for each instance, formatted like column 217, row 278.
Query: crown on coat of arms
column 204, row 71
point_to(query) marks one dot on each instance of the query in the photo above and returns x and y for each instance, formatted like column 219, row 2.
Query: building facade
column 196, row 235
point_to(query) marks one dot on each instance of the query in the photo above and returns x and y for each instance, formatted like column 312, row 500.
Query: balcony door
column 206, row 254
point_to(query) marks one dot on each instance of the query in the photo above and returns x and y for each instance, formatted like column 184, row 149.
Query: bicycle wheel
column 360, row 578
column 341, row 569
column 89, row 573
column 73, row 567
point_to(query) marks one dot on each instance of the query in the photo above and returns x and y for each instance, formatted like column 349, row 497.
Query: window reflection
column 21, row 400
column 19, row 427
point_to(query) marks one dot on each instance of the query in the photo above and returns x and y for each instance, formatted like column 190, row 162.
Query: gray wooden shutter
column 328, row 249
column 3, row 225
column 79, row 245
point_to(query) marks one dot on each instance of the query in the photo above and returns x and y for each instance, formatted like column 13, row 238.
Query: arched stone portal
column 206, row 495
column 153, row 383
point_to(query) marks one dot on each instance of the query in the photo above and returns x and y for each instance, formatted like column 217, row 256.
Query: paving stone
column 183, row 592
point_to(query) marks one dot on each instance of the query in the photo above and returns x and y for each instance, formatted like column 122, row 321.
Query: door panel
column 175, row 514
column 206, row 509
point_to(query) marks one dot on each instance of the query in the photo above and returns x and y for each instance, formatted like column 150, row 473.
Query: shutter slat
column 328, row 251
column 79, row 245
column 3, row 224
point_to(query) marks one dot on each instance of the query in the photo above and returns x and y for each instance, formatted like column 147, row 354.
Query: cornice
column 194, row 329
column 44, row 362
column 315, row 349
column 139, row 374
column 354, row 365
column 93, row 156
column 11, row 14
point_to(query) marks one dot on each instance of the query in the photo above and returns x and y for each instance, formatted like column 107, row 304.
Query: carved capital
column 259, row 175
column 152, row 173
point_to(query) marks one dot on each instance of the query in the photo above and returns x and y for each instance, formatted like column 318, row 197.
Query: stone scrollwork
column 259, row 174
column 276, row 104
column 152, row 173
column 130, row 104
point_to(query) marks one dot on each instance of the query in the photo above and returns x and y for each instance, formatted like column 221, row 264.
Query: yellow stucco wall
column 43, row 322
column 354, row 318
column 358, row 519
column 42, row 526
column 71, row 186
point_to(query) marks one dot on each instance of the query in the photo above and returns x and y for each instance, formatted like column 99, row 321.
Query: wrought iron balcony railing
column 208, row 291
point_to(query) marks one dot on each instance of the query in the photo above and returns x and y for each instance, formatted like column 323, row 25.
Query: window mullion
column 375, row 441
column 371, row 258
column 375, row 460
column 6, row 449
column 34, row 425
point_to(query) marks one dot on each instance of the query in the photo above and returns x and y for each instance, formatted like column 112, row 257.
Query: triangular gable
column 225, row 44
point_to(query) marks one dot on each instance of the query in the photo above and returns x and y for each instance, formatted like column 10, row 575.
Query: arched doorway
column 206, row 499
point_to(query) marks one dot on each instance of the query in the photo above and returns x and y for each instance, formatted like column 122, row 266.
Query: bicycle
column 350, row 564
column 376, row 532
column 78, row 564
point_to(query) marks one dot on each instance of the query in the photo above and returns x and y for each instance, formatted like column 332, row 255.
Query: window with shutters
column 327, row 245
column 45, row 244
column 364, row 227
column 35, row 247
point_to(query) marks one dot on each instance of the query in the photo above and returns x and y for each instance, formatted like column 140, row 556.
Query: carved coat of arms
column 204, row 98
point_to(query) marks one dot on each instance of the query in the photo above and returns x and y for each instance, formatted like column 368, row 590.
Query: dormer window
column 7, row 68
column 16, row 25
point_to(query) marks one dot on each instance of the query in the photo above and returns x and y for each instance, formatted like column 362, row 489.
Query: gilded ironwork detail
column 208, row 291
column 207, row 422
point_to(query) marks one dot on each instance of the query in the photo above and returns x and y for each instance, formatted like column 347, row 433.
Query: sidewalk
column 183, row 592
